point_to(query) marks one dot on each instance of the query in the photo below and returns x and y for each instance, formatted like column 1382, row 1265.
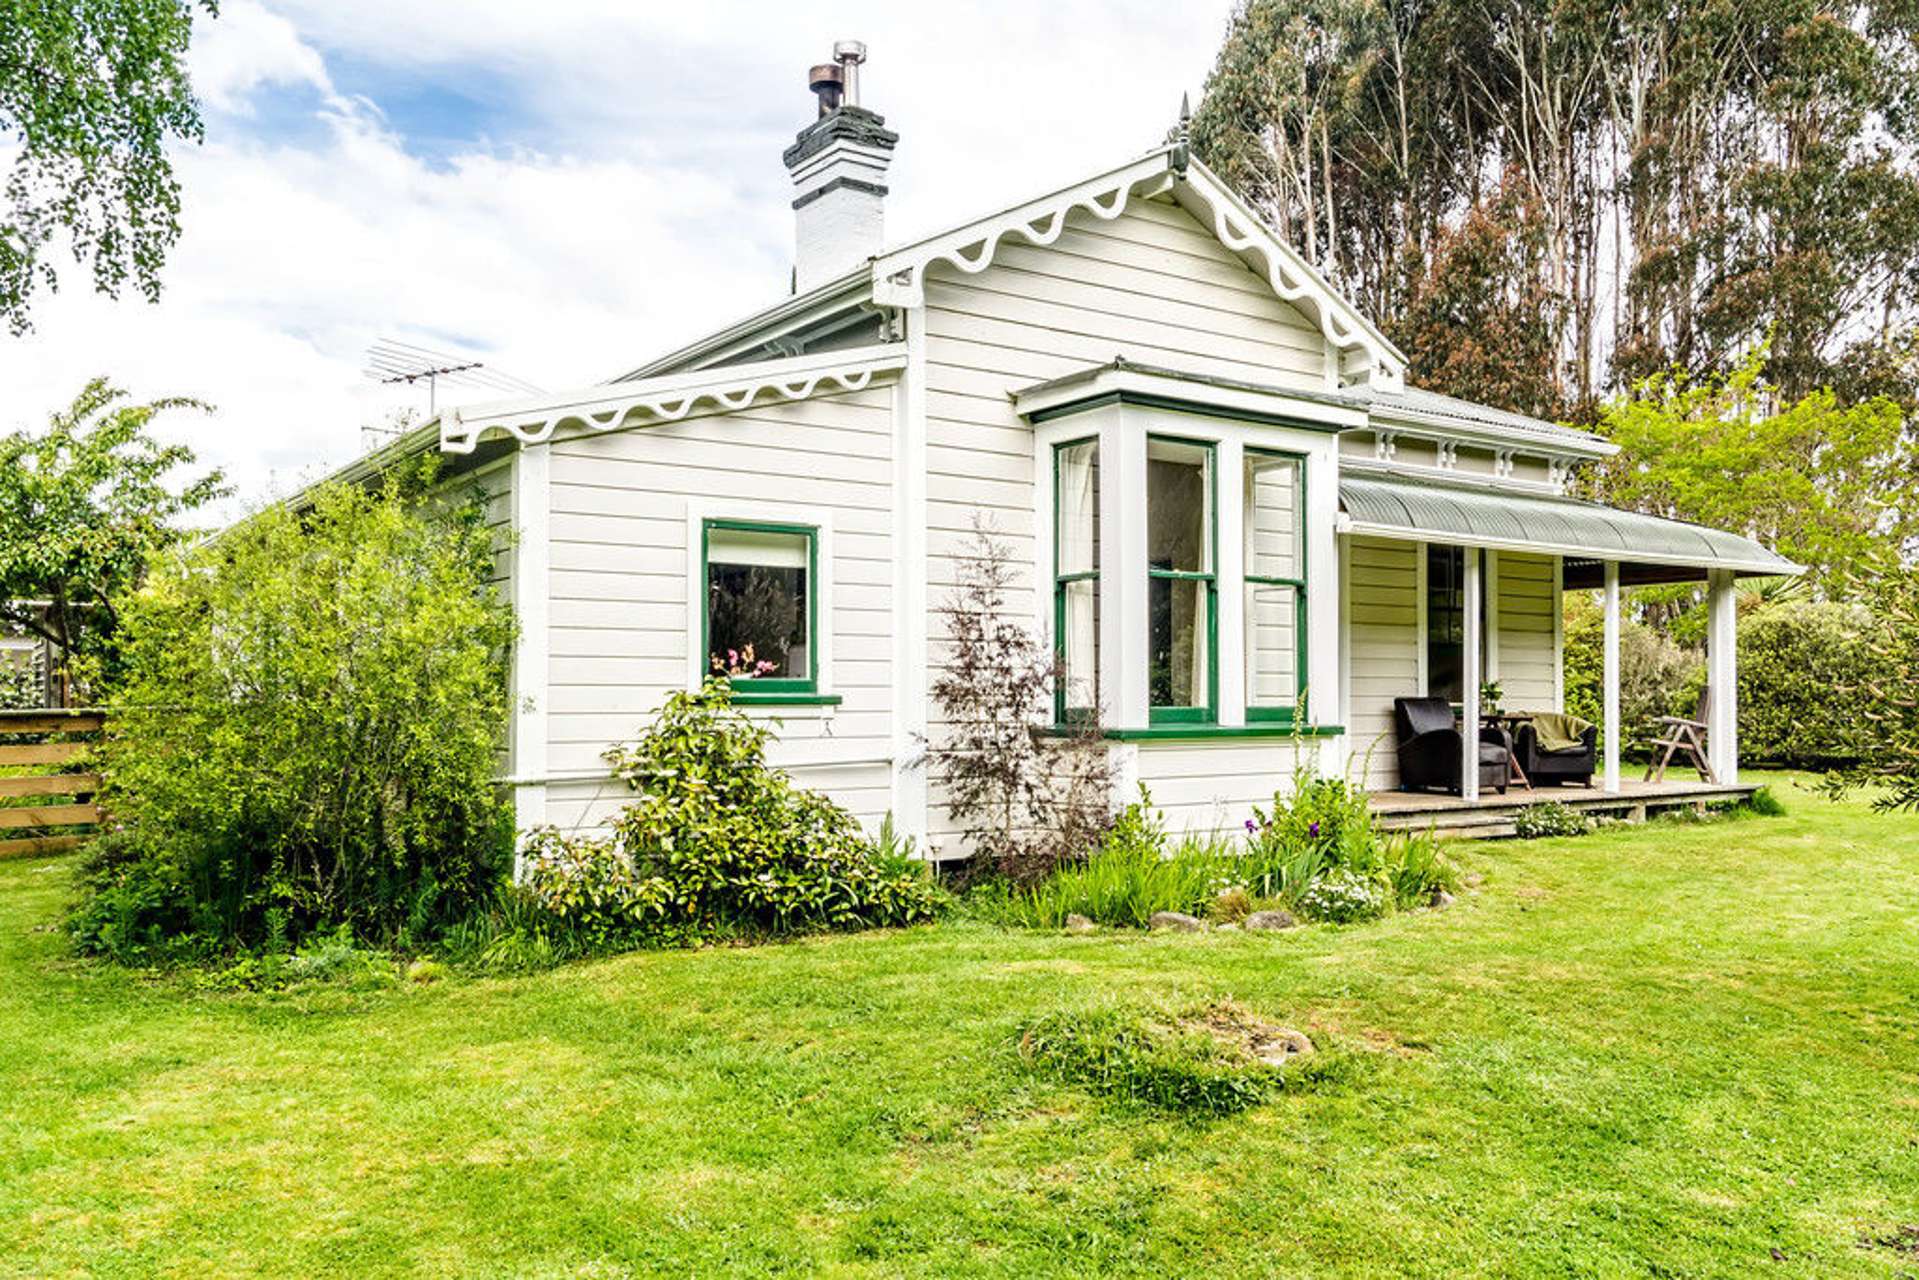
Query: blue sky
column 563, row 189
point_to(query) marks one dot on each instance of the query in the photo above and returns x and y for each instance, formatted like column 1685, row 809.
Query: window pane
column 1078, row 499
column 1177, row 646
column 1272, row 517
column 1079, row 637
column 756, row 604
column 1272, row 645
column 1179, row 496
column 1446, row 622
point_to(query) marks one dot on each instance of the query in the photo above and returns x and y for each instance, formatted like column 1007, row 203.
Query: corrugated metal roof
column 1419, row 404
column 1562, row 525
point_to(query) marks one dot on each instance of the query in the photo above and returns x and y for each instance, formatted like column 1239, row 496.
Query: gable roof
column 897, row 277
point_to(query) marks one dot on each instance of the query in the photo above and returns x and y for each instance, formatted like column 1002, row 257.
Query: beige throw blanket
column 1559, row 732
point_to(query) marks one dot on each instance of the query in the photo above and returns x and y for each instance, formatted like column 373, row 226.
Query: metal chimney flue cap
column 827, row 84
column 845, row 51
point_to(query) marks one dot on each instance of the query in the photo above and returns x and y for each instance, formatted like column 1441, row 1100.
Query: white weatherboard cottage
column 1244, row 530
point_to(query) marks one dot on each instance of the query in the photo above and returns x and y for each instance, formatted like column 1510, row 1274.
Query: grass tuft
column 1209, row 1060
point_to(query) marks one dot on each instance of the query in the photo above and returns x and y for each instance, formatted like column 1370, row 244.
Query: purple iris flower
column 1250, row 828
column 1312, row 829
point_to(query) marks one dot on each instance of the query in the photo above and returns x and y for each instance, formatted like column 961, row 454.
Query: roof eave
column 1566, row 443
column 1121, row 378
column 840, row 294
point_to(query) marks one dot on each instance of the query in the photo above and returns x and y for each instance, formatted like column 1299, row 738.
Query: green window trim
column 1063, row 714
column 1286, row 715
column 755, row 698
column 758, row 691
column 1209, row 713
column 1205, row 732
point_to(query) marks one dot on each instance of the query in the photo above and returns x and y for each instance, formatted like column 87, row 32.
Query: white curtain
column 1079, row 553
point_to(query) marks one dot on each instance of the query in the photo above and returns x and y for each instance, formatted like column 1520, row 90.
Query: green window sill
column 1204, row 732
column 750, row 699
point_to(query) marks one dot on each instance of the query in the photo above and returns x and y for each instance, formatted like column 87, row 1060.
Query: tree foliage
column 309, row 730
column 92, row 92
column 1025, row 805
column 1890, row 695
column 1827, row 485
column 83, row 506
column 1679, row 179
column 1806, row 668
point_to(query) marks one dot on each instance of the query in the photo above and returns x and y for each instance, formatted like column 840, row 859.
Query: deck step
column 1492, row 816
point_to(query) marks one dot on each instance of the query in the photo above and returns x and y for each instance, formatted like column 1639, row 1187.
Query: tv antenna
column 393, row 362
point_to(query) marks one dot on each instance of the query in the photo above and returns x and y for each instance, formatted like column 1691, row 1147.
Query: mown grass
column 1677, row 1050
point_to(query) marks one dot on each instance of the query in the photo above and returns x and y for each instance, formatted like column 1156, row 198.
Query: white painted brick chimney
column 838, row 164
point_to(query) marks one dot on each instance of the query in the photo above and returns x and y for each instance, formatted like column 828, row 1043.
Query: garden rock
column 1174, row 920
column 1271, row 920
column 1079, row 924
column 1442, row 899
column 1281, row 1045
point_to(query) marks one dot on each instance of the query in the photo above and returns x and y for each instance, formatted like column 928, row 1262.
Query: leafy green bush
column 137, row 904
column 1766, row 803
column 589, row 886
column 1805, row 672
column 1657, row 677
column 716, row 842
column 1319, row 825
column 21, row 685
column 1418, row 870
column 309, row 729
column 1203, row 1061
column 1549, row 818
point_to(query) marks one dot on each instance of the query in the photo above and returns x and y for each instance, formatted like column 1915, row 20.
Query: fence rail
column 35, row 749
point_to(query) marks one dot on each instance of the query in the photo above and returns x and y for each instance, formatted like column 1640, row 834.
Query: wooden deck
column 1491, row 816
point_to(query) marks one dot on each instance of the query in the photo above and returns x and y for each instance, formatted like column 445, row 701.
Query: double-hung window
column 761, row 616
column 1181, row 589
column 1446, row 622
column 1076, row 578
column 1275, row 561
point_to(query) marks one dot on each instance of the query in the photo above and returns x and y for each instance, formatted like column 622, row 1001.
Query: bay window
column 1177, row 576
column 1076, row 578
column 1181, row 607
column 1275, row 578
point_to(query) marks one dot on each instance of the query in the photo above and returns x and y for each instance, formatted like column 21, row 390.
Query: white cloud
column 247, row 48
column 641, row 204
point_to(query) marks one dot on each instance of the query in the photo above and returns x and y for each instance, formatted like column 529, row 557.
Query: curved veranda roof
column 1402, row 506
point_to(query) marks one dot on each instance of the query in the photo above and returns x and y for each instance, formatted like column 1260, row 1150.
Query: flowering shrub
column 715, row 842
column 1322, row 824
column 1341, row 896
column 1549, row 818
column 589, row 885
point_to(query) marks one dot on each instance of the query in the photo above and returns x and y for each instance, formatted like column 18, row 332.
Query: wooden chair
column 1678, row 736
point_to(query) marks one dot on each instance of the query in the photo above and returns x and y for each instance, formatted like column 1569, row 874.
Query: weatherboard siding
column 1383, row 652
column 1153, row 286
column 1213, row 787
column 619, row 614
column 1528, row 660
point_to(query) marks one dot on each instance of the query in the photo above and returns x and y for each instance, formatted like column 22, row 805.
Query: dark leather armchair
column 1430, row 743
column 1570, row 764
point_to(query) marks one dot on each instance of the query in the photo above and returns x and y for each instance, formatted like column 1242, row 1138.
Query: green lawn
column 1664, row 1051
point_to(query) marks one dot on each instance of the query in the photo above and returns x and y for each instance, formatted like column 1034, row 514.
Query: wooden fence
column 46, row 790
